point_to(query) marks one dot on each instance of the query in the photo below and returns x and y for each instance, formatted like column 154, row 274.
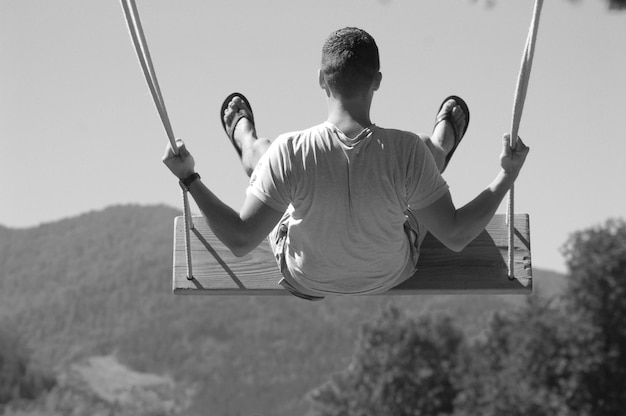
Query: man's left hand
column 182, row 164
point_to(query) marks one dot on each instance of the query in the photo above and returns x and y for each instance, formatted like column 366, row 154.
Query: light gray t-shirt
column 348, row 198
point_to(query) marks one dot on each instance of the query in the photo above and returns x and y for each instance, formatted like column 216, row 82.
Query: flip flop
column 447, row 116
column 242, row 113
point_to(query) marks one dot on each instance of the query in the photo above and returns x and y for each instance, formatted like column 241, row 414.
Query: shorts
column 277, row 239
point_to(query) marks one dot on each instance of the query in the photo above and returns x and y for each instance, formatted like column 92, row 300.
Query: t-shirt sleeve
column 425, row 184
column 269, row 181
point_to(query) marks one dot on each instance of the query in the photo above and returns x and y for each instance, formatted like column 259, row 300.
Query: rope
column 188, row 227
column 518, row 107
column 143, row 54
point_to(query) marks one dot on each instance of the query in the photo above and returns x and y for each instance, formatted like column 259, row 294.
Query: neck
column 350, row 116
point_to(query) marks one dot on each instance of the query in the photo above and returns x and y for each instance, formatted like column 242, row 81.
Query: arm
column 240, row 232
column 456, row 228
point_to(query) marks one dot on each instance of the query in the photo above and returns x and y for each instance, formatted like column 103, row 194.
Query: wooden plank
column 480, row 268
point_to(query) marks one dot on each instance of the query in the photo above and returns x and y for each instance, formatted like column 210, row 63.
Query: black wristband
column 185, row 183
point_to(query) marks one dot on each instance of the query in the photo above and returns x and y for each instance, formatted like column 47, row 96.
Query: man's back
column 348, row 200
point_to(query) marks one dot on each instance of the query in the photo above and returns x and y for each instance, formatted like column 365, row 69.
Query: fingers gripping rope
column 518, row 107
column 143, row 54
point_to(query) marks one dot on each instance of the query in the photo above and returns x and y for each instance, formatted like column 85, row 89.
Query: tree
column 523, row 365
column 562, row 356
column 568, row 359
column 402, row 366
column 18, row 377
column 596, row 296
column 617, row 4
column 612, row 4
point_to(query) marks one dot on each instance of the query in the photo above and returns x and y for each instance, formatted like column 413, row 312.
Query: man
column 346, row 204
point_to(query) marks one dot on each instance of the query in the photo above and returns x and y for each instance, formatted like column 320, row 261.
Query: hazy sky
column 79, row 131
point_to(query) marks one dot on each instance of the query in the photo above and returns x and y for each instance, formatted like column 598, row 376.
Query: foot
column 444, row 133
column 238, row 123
column 244, row 130
column 450, row 127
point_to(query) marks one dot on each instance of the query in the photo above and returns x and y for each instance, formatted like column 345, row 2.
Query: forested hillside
column 99, row 285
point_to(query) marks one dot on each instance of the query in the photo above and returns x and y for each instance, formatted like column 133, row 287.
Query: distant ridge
column 98, row 284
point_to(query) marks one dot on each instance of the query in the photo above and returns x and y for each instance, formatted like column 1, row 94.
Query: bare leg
column 252, row 147
column 442, row 140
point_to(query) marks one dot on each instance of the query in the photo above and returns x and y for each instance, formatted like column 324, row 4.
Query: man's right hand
column 512, row 159
column 182, row 164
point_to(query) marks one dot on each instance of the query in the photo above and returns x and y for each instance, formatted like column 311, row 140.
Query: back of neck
column 351, row 119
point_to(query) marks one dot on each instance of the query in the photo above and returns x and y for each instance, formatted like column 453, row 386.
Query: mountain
column 97, row 287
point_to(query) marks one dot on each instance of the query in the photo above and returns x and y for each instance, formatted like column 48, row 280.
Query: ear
column 377, row 80
column 322, row 82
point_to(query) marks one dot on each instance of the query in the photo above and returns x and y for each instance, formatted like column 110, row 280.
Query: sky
column 79, row 131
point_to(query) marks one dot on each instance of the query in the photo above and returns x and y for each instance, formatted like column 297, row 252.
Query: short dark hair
column 350, row 61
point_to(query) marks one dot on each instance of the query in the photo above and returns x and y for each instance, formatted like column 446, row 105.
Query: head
column 350, row 64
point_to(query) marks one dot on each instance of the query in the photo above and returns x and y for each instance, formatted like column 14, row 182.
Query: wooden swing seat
column 480, row 268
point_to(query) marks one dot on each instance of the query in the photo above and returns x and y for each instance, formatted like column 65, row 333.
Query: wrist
column 509, row 175
column 506, row 178
column 186, row 182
